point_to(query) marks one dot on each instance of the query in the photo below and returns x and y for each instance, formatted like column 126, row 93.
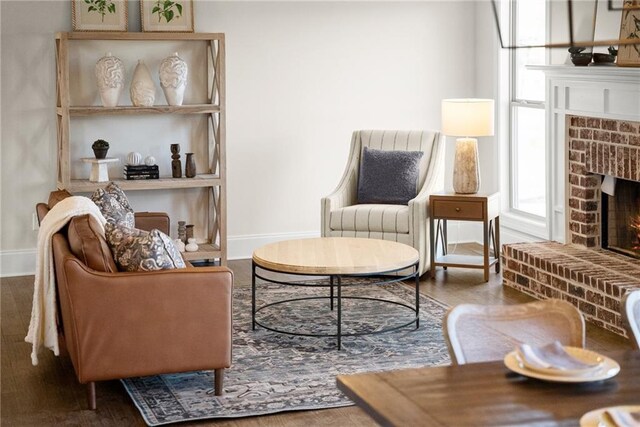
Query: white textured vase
column 173, row 78
column 466, row 169
column 143, row 91
column 134, row 158
column 110, row 79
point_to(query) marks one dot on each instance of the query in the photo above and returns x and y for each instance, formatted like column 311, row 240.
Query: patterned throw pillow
column 114, row 205
column 139, row 250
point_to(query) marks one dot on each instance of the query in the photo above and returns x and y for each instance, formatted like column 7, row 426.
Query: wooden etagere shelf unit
column 213, row 179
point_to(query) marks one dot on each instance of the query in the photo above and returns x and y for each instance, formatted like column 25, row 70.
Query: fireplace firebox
column 621, row 219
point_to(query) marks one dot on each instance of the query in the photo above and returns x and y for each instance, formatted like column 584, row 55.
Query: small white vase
column 110, row 79
column 191, row 245
column 143, row 91
column 179, row 244
column 173, row 78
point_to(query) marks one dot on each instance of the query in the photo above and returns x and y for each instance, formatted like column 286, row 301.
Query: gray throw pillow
column 388, row 177
column 139, row 250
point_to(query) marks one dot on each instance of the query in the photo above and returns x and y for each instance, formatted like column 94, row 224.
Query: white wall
column 301, row 76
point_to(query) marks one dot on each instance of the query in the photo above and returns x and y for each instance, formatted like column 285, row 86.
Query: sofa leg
column 91, row 395
column 219, row 379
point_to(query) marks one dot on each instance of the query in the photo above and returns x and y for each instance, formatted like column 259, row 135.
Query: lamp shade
column 467, row 117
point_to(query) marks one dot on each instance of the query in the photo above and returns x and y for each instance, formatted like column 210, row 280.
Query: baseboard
column 509, row 235
column 23, row 262
column 242, row 247
column 17, row 263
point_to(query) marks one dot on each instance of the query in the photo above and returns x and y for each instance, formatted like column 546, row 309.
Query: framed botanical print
column 167, row 15
column 99, row 15
column 629, row 54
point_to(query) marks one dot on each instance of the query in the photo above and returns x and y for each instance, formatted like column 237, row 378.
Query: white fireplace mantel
column 595, row 91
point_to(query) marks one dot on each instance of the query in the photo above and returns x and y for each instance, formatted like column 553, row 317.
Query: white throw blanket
column 43, row 329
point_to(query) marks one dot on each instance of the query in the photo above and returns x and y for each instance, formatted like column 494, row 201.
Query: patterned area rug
column 274, row 372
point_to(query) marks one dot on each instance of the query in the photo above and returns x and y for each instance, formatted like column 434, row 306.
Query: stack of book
column 141, row 172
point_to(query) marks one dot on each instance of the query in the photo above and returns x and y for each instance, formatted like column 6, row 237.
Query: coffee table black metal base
column 335, row 286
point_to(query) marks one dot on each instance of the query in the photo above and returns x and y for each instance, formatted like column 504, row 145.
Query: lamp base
column 466, row 168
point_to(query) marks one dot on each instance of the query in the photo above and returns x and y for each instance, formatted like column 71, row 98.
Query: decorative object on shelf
column 467, row 118
column 629, row 54
column 176, row 164
column 173, row 78
column 182, row 231
column 150, row 161
column 578, row 57
column 99, row 168
column 190, row 166
column 110, row 79
column 167, row 15
column 189, row 231
column 141, row 172
column 99, row 15
column 134, row 158
column 100, row 148
column 606, row 58
column 143, row 91
column 179, row 244
column 191, row 246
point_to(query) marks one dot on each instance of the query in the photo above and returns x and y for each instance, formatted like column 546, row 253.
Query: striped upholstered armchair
column 342, row 216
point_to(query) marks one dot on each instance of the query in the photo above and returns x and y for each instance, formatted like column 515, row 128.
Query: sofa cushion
column 372, row 218
column 57, row 196
column 114, row 205
column 388, row 177
column 89, row 245
column 139, row 250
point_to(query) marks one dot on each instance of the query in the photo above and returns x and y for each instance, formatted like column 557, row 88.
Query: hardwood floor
column 49, row 393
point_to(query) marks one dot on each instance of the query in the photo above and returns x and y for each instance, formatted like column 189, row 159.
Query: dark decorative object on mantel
column 606, row 58
column 189, row 231
column 578, row 57
column 190, row 168
column 176, row 164
column 100, row 148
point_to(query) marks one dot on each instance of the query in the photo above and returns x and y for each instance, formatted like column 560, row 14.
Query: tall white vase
column 173, row 78
column 110, row 79
column 142, row 91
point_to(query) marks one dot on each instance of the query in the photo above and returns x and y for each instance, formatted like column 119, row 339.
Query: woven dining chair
column 482, row 333
column 631, row 316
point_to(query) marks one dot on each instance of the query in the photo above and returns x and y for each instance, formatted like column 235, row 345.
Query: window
column 527, row 171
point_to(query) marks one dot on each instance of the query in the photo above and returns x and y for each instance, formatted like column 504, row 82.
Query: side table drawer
column 450, row 209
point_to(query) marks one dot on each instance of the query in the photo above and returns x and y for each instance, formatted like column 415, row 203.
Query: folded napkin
column 622, row 418
column 552, row 356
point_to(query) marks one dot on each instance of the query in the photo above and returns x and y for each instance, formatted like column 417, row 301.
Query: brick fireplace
column 593, row 130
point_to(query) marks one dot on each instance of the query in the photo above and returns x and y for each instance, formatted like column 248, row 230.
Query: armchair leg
column 219, row 379
column 91, row 395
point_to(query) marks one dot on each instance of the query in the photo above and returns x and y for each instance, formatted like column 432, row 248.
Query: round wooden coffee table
column 338, row 258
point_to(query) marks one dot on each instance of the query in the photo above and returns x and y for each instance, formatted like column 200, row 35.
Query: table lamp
column 467, row 118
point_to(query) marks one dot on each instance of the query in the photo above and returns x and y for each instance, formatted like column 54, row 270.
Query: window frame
column 511, row 217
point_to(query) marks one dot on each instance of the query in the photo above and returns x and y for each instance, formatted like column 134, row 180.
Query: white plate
column 609, row 369
column 594, row 418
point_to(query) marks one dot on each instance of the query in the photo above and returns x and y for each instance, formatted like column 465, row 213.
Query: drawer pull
column 457, row 209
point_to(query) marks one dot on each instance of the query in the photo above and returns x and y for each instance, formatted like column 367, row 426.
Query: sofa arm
column 150, row 220
column 120, row 325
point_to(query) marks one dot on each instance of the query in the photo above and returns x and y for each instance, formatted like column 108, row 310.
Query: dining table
column 487, row 394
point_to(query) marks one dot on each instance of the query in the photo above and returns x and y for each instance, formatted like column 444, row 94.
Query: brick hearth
column 592, row 279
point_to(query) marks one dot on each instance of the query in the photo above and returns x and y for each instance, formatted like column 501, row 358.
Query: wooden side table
column 465, row 207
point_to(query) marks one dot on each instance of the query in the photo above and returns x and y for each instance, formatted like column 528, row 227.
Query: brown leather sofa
column 119, row 325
